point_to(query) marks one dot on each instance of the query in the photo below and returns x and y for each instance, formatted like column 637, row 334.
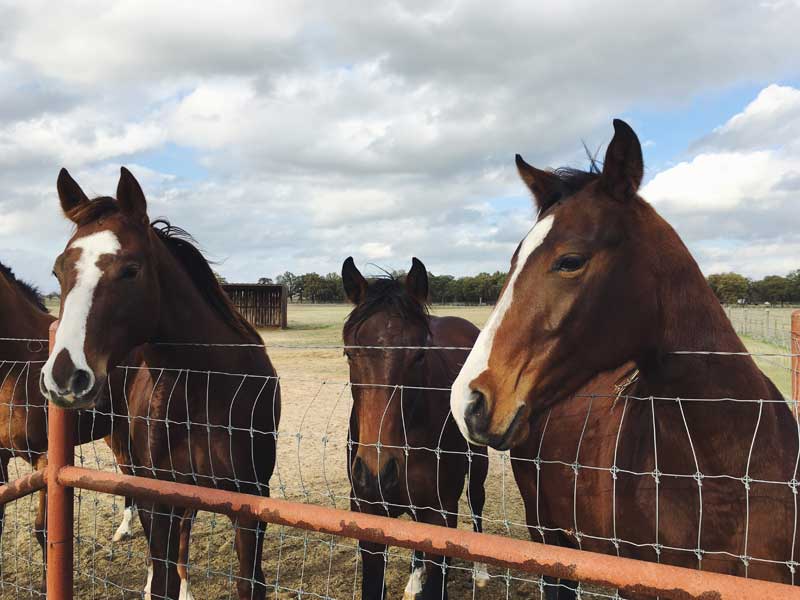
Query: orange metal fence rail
column 607, row 570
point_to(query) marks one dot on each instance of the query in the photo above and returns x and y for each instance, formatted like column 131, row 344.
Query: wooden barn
column 264, row 305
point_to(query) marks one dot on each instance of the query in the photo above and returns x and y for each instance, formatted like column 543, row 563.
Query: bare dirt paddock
column 311, row 468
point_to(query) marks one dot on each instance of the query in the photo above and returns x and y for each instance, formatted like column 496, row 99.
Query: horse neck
column 691, row 319
column 19, row 317
column 185, row 317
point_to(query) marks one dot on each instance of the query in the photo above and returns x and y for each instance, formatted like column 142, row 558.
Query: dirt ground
column 311, row 468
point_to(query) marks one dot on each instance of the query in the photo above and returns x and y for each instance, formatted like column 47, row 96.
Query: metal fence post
column 794, row 349
column 60, row 453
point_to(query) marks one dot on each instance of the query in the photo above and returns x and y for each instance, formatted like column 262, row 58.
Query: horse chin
column 94, row 398
column 516, row 434
column 516, row 437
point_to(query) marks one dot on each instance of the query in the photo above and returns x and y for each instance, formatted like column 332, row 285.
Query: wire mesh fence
column 770, row 325
column 315, row 449
column 23, row 445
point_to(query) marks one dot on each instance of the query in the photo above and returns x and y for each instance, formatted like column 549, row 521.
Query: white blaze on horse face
column 71, row 333
column 478, row 360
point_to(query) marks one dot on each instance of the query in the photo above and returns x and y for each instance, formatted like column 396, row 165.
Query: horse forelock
column 387, row 295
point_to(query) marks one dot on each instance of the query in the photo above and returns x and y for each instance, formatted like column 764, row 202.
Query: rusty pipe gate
column 61, row 478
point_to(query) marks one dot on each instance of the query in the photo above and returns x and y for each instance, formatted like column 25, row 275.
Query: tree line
column 483, row 288
column 732, row 288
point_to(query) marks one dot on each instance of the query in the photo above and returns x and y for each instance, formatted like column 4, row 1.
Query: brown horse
column 23, row 412
column 617, row 462
column 23, row 409
column 405, row 453
column 204, row 405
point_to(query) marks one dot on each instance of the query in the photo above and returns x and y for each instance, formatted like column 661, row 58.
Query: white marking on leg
column 415, row 582
column 480, row 574
column 148, row 586
column 185, row 594
column 71, row 333
column 124, row 530
column 478, row 360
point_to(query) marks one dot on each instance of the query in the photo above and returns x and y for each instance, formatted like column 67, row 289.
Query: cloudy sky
column 289, row 137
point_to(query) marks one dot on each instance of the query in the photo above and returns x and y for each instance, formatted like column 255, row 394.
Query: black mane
column 28, row 290
column 387, row 294
column 183, row 247
column 574, row 180
column 571, row 181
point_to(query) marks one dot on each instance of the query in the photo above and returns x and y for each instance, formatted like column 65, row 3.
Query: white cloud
column 771, row 120
column 735, row 202
column 383, row 130
column 723, row 181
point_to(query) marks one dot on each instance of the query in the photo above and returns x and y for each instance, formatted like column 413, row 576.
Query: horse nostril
column 359, row 473
column 81, row 382
column 476, row 407
column 390, row 475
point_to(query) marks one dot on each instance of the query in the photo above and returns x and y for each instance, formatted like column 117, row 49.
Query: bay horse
column 597, row 336
column 204, row 403
column 400, row 421
column 23, row 409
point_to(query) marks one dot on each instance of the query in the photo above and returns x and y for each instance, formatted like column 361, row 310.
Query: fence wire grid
column 314, row 444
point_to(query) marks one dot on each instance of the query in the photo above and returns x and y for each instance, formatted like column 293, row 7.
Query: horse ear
column 69, row 193
column 417, row 281
column 130, row 196
column 545, row 186
column 355, row 286
column 623, row 167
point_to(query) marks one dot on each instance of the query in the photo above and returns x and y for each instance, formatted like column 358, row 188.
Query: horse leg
column 249, row 545
column 4, row 458
column 39, row 526
column 124, row 462
column 476, row 498
column 124, row 531
column 428, row 580
column 162, row 525
column 183, row 553
column 373, row 570
column 560, row 589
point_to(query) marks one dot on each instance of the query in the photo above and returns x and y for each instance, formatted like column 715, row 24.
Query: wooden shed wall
column 262, row 305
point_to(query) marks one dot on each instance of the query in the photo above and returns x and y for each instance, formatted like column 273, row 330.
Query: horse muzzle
column 378, row 488
column 479, row 421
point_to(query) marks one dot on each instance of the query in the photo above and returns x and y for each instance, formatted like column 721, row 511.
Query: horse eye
column 569, row 263
column 130, row 271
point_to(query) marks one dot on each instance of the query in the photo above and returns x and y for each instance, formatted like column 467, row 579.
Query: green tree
column 729, row 287
column 773, row 288
column 288, row 279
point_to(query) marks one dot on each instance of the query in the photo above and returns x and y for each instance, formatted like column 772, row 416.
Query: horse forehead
column 95, row 245
column 382, row 328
